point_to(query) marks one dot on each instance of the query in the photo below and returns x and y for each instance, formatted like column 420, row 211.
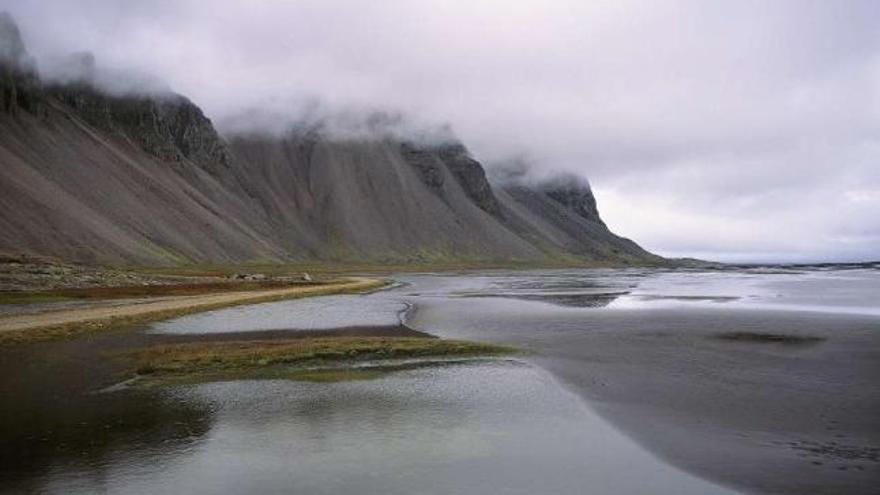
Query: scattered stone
column 19, row 272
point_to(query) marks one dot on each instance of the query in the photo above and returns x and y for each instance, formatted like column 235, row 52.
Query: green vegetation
column 210, row 358
column 141, row 291
column 414, row 263
column 185, row 358
column 75, row 328
column 32, row 297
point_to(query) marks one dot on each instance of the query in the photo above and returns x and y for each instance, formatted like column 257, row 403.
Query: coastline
column 766, row 401
column 762, row 415
column 66, row 323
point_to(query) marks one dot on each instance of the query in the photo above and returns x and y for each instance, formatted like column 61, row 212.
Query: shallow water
column 312, row 313
column 824, row 291
column 470, row 428
column 676, row 407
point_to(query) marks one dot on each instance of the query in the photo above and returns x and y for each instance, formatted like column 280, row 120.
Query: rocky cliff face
column 561, row 213
column 574, row 194
column 131, row 178
column 470, row 176
column 169, row 127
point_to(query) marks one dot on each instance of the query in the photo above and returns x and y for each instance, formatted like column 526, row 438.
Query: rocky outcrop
column 470, row 175
column 426, row 163
column 574, row 194
column 430, row 160
column 169, row 127
column 371, row 199
column 536, row 212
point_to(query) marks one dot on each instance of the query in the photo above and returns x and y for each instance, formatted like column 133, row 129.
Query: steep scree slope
column 90, row 176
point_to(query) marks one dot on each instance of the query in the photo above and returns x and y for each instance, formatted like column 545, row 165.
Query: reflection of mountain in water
column 576, row 300
column 715, row 299
column 90, row 431
column 570, row 289
column 55, row 423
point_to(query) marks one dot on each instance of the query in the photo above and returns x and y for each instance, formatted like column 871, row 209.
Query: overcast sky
column 737, row 130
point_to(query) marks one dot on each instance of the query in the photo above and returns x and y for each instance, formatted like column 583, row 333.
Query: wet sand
column 718, row 382
column 760, row 416
column 466, row 426
column 760, row 400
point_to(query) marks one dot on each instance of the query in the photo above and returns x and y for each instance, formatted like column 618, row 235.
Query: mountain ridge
column 97, row 177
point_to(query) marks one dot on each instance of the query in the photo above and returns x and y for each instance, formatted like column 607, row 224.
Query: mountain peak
column 574, row 193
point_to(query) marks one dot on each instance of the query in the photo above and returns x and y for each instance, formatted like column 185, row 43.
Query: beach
column 647, row 382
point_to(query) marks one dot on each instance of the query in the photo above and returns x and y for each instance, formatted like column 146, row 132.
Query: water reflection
column 473, row 428
column 490, row 427
column 79, row 441
column 313, row 313
column 574, row 300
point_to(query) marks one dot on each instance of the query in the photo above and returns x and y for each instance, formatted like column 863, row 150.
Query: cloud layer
column 729, row 130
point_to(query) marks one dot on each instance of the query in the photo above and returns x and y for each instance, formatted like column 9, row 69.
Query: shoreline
column 754, row 399
column 66, row 323
column 789, row 407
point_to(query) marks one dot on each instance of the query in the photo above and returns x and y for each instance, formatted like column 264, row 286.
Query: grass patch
column 417, row 263
column 769, row 338
column 141, row 291
column 244, row 356
column 32, row 297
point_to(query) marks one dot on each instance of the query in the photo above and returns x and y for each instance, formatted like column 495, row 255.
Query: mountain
column 97, row 176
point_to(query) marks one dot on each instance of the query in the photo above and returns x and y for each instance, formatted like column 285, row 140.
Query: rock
column 573, row 193
column 470, row 175
column 169, row 127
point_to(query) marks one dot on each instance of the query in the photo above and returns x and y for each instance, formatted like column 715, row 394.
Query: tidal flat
column 671, row 382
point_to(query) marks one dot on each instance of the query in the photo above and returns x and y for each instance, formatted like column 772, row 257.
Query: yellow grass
column 66, row 323
column 213, row 357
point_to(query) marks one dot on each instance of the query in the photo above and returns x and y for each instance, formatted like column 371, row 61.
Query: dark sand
column 765, row 417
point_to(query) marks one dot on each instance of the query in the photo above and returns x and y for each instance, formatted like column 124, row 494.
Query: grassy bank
column 65, row 324
column 295, row 358
column 140, row 291
column 342, row 267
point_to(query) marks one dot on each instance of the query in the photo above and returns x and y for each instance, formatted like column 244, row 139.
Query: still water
column 495, row 427
column 546, row 422
column 855, row 291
